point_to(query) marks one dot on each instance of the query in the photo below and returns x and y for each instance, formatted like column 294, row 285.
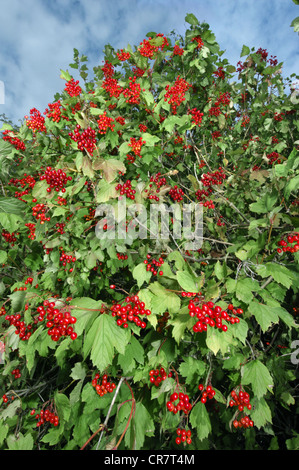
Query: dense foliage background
column 127, row 344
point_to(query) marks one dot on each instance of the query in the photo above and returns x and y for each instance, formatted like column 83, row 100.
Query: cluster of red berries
column 132, row 92
column 60, row 226
column 102, row 385
column 148, row 49
column 122, row 257
column 278, row 116
column 242, row 401
column 136, row 145
column 138, row 71
column 199, row 42
column 274, row 157
column 209, row 204
column 66, row 259
column 31, row 228
column 54, row 112
column 2, row 312
column 112, row 87
column 213, row 178
column 9, row 237
column 29, row 280
column 153, row 264
column 209, row 314
column 13, row 140
column 16, row 373
column 191, row 294
column 183, row 435
column 6, row 399
column 21, row 328
column 182, row 403
column 27, row 180
column 56, row 179
column 223, row 99
column 197, row 116
column 126, row 189
column 176, row 194
column 175, row 95
column 85, row 139
column 59, row 321
column 220, row 222
column 104, row 123
column 37, row 121
column 244, row 422
column 214, row 111
column 157, row 181
column 206, row 393
column 158, row 375
column 45, row 416
column 39, row 212
column 123, row 55
column 73, row 88
column 130, row 310
column 142, row 127
column 61, row 201
column 287, row 245
column 177, row 50
column 219, row 73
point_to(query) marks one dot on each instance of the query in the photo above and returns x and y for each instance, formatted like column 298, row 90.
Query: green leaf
column 188, row 282
column 280, row 273
column 218, row 340
column 295, row 24
column 141, row 425
column 3, row 256
column 220, row 270
column 191, row 19
column 52, row 437
column 256, row 374
column 291, row 186
column 245, row 51
column 200, row 420
column 265, row 203
column 264, row 315
column 63, row 406
column 103, row 339
column 141, row 274
column 17, row 300
column 65, row 75
column 191, row 369
column 106, row 191
column 10, row 222
column 10, row 410
column 85, row 309
column 260, row 413
column 78, row 371
column 12, row 206
column 20, row 442
column 180, row 322
column 163, row 300
column 245, row 288
column 150, row 139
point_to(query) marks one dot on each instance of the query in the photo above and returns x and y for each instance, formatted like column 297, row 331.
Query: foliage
column 95, row 344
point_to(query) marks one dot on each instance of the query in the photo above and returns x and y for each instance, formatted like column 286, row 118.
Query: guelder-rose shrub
column 138, row 343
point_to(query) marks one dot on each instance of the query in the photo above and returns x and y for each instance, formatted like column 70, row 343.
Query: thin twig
column 110, row 409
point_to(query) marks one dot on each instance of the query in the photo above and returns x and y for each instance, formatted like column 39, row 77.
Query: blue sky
column 37, row 37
